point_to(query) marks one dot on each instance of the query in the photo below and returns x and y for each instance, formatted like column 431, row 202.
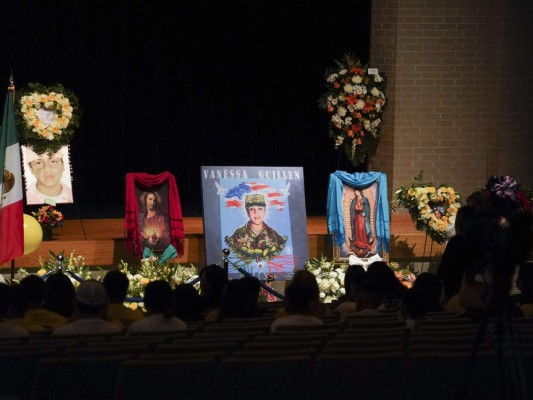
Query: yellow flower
column 145, row 281
column 41, row 272
column 134, row 306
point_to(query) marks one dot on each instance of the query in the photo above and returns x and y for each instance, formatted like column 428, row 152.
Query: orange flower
column 349, row 134
column 331, row 109
column 351, row 99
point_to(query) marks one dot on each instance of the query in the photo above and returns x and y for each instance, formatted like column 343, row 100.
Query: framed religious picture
column 258, row 215
column 358, row 215
column 47, row 176
column 153, row 223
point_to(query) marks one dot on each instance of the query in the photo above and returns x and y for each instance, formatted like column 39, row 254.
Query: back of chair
column 187, row 378
column 75, row 378
column 258, row 378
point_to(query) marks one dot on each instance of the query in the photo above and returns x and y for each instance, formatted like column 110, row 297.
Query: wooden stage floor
column 101, row 242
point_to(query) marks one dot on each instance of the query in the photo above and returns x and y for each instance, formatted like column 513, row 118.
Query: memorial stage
column 101, row 241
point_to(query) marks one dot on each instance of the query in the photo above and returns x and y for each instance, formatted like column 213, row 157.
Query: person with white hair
column 48, row 169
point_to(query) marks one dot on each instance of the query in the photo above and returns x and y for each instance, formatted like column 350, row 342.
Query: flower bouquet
column 49, row 218
column 329, row 276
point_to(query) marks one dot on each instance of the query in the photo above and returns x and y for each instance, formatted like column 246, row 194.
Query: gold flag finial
column 12, row 85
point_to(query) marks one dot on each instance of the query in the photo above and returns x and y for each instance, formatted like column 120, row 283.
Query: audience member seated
column 392, row 287
column 524, row 282
column 8, row 329
column 414, row 307
column 186, row 303
column 18, row 305
column 59, row 296
column 300, row 299
column 431, row 285
column 157, row 301
column 472, row 299
column 370, row 296
column 212, row 281
column 90, row 304
column 355, row 275
column 116, row 284
column 307, row 278
column 239, row 300
column 36, row 313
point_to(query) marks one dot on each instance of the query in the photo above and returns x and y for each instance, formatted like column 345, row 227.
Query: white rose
column 322, row 295
column 343, row 72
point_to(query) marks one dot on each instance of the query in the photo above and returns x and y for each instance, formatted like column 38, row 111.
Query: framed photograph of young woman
column 258, row 215
column 47, row 176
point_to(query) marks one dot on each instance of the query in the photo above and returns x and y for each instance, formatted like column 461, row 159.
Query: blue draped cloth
column 335, row 216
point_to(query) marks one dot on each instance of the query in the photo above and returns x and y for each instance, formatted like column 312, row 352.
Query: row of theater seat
column 242, row 359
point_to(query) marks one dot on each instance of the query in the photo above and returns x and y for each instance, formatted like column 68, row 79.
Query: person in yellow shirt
column 116, row 284
column 36, row 313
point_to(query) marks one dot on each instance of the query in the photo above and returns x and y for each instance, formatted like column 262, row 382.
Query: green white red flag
column 11, row 205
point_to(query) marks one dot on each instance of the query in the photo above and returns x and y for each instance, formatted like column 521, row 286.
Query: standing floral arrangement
column 329, row 276
column 47, row 117
column 49, row 216
column 356, row 100
column 433, row 209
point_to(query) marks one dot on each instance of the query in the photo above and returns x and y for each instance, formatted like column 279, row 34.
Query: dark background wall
column 173, row 85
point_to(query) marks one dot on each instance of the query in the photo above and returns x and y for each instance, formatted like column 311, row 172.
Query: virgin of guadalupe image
column 255, row 240
column 362, row 238
column 155, row 229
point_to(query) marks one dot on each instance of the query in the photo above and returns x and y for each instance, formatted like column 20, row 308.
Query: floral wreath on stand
column 432, row 209
column 47, row 117
column 356, row 101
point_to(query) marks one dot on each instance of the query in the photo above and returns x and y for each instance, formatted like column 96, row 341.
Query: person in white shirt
column 299, row 299
column 90, row 305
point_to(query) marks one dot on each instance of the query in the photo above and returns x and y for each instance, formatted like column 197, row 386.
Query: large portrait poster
column 47, row 176
column 258, row 214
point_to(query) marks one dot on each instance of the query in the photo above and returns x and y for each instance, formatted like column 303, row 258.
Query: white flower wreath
column 47, row 114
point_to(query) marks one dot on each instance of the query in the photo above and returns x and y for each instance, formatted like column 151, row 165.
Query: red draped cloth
column 132, row 227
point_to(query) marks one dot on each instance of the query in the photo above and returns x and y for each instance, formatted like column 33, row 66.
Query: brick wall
column 459, row 89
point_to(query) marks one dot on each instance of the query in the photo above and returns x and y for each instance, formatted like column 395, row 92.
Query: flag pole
column 12, row 88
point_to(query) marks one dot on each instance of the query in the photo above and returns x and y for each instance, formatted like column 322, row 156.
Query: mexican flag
column 11, row 206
